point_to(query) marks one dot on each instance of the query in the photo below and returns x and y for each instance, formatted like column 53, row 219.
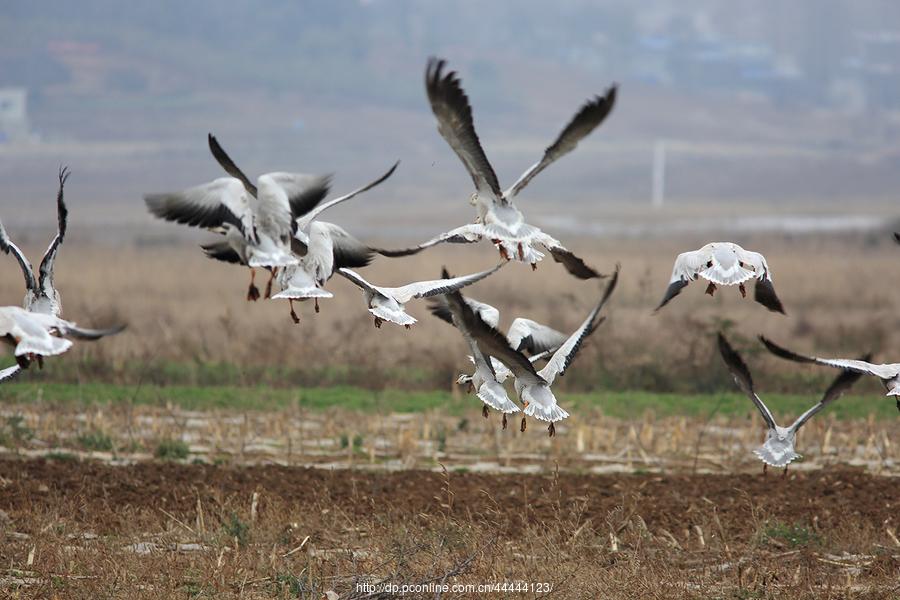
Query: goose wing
column 687, row 266
column 451, row 108
column 564, row 356
column 226, row 163
column 10, row 373
column 210, row 205
column 280, row 194
column 742, row 377
column 573, row 264
column 425, row 289
column 357, row 280
column 489, row 340
column 588, row 117
column 7, row 246
column 533, row 337
column 348, row 251
column 488, row 313
column 888, row 371
column 302, row 222
column 841, row 384
column 45, row 271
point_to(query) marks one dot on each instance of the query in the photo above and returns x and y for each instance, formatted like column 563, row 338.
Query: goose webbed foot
column 23, row 361
column 743, row 290
column 484, row 411
column 765, row 468
column 272, row 273
column 471, row 388
column 503, row 253
column 711, row 289
column 252, row 290
column 523, row 426
column 293, row 313
column 551, row 430
column 504, row 422
column 407, row 325
column 317, row 305
column 521, row 252
column 40, row 361
column 534, row 266
column 784, row 473
column 378, row 322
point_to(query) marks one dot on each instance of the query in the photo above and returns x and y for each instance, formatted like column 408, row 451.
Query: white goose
column 387, row 303
column 778, row 449
column 534, row 387
column 35, row 335
column 889, row 374
column 498, row 218
column 41, row 295
column 724, row 263
column 320, row 247
column 465, row 316
column 257, row 220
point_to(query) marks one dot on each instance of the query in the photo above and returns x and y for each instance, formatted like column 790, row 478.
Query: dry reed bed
column 187, row 310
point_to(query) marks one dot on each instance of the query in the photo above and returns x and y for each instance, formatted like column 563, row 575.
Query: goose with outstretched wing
column 256, row 220
column 464, row 315
column 35, row 335
column 320, row 247
column 889, row 374
column 778, row 448
column 498, row 219
column 40, row 293
column 724, row 263
column 534, row 387
column 387, row 303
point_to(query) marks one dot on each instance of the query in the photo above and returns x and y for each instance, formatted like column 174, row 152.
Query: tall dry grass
column 185, row 312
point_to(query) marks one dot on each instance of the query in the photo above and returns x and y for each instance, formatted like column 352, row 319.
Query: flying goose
column 387, row 303
column 321, row 247
column 498, row 218
column 889, row 374
column 724, row 263
column 257, row 220
column 40, row 294
column 35, row 335
column 466, row 317
column 778, row 449
column 327, row 247
column 534, row 387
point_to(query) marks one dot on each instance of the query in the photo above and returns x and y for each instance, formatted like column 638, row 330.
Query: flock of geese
column 274, row 225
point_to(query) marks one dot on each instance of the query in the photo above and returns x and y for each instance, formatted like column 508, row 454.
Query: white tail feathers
column 298, row 293
column 550, row 414
column 727, row 276
column 48, row 346
column 495, row 397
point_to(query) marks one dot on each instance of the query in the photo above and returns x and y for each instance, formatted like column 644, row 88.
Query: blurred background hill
column 764, row 107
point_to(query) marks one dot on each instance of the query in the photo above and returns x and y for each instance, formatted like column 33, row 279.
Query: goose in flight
column 534, row 387
column 34, row 335
column 465, row 315
column 778, row 449
column 41, row 295
column 320, row 247
column 724, row 263
column 256, row 220
column 498, row 218
column 889, row 374
column 387, row 303
column 326, row 247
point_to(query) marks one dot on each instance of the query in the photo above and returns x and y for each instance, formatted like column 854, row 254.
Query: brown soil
column 670, row 502
column 151, row 530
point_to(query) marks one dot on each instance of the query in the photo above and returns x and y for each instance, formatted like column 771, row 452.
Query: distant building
column 14, row 115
